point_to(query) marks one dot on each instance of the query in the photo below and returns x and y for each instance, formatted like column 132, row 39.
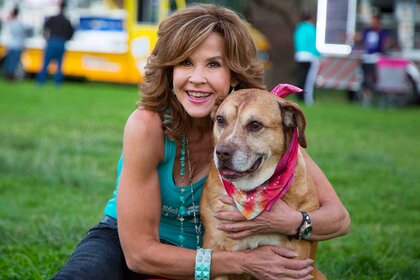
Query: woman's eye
column 186, row 63
column 214, row 64
column 255, row 126
column 220, row 121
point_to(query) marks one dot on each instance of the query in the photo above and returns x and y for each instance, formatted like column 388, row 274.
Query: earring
column 232, row 90
column 173, row 91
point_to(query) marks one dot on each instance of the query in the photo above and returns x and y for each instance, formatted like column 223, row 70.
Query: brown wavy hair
column 179, row 35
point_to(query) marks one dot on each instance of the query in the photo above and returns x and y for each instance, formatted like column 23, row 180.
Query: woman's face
column 203, row 78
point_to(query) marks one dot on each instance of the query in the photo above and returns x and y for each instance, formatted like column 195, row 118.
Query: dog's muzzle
column 225, row 163
column 224, row 153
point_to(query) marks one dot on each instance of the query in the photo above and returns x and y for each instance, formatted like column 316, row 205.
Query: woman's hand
column 268, row 262
column 280, row 219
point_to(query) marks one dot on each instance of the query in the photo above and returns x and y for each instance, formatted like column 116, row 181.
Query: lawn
column 59, row 148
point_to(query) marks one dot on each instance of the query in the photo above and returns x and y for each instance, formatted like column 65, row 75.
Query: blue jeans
column 11, row 62
column 98, row 256
column 54, row 51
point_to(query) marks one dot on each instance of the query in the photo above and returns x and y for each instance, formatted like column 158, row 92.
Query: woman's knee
column 98, row 256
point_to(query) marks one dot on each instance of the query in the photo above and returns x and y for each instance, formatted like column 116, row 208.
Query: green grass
column 59, row 149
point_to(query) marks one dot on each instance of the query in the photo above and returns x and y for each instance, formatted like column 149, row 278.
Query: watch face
column 307, row 232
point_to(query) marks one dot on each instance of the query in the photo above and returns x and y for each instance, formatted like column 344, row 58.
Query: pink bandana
column 253, row 202
column 283, row 90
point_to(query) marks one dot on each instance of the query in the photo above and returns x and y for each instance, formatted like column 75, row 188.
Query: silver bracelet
column 202, row 264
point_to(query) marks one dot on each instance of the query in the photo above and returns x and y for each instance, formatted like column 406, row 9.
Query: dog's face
column 251, row 132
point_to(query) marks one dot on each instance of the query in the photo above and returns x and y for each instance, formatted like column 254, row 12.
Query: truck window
column 172, row 6
column 147, row 11
column 335, row 26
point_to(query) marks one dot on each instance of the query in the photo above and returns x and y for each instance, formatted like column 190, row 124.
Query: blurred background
column 114, row 37
column 60, row 143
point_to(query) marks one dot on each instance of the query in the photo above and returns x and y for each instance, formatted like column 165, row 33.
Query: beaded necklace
column 182, row 211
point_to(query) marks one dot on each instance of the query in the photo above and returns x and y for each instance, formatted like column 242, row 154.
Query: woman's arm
column 139, row 210
column 139, row 202
column 329, row 221
column 332, row 218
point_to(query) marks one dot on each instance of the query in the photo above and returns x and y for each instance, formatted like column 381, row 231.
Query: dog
column 252, row 131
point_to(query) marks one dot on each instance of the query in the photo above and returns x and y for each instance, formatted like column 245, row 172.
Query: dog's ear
column 292, row 117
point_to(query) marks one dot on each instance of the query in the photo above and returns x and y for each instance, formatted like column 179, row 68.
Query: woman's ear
column 232, row 87
column 233, row 82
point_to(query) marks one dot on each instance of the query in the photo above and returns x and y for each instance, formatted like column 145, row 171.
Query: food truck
column 398, row 76
column 112, row 39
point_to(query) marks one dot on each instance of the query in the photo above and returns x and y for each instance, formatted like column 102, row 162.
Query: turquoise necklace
column 182, row 211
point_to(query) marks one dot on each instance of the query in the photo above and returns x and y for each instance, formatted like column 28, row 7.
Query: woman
column 306, row 56
column 203, row 52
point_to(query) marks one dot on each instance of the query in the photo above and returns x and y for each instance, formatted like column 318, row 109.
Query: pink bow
column 283, row 90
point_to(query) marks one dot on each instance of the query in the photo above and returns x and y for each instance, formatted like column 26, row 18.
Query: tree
column 277, row 21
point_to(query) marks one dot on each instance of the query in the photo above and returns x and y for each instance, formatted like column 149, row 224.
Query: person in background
column 57, row 31
column 152, row 223
column 15, row 40
column 376, row 41
column 306, row 56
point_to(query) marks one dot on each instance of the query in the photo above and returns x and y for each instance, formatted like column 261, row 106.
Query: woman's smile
column 195, row 96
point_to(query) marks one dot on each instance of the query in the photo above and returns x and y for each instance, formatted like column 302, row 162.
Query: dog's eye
column 255, row 126
column 220, row 121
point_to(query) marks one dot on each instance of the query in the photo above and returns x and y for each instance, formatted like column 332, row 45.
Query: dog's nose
column 224, row 152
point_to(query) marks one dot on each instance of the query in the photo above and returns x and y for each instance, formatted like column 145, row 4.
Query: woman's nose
column 198, row 75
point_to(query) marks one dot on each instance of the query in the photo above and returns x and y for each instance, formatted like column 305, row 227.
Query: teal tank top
column 170, row 226
column 305, row 38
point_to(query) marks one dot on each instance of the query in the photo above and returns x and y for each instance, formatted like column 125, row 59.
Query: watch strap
column 305, row 219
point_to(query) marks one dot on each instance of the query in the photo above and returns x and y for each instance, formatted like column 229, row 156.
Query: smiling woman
column 204, row 78
column 202, row 52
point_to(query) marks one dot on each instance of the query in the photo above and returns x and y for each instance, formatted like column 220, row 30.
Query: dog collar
column 254, row 202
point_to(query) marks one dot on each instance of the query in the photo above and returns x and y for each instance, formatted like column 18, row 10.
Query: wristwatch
column 304, row 230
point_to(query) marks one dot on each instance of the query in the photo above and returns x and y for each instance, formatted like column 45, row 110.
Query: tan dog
column 251, row 131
